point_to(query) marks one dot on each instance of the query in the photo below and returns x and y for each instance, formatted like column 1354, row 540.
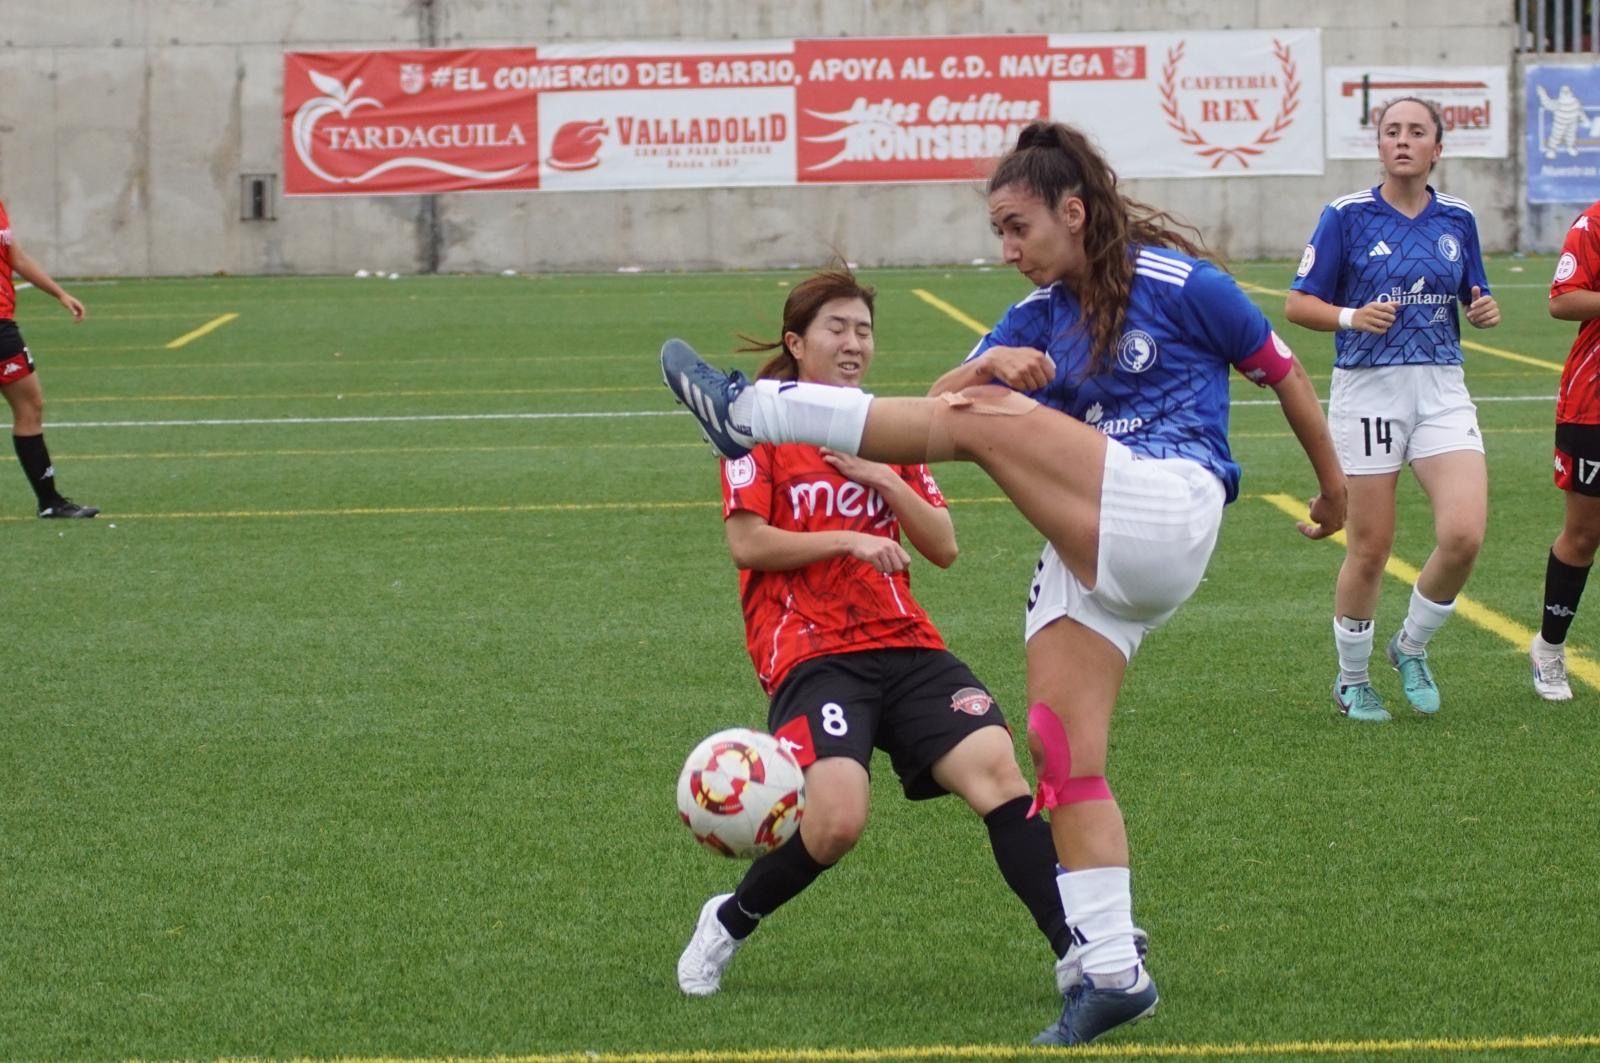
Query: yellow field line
column 1512, row 356
column 210, row 326
column 1127, row 1050
column 949, row 311
column 1498, row 352
column 1468, row 609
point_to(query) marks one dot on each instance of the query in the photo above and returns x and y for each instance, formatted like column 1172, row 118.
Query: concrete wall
column 125, row 127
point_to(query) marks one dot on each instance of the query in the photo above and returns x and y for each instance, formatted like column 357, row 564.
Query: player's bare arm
column 1303, row 411
column 929, row 527
column 757, row 545
column 1308, row 311
column 31, row 271
column 1582, row 305
column 1020, row 368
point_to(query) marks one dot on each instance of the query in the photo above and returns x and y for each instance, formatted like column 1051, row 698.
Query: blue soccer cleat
column 1090, row 1011
column 1359, row 702
column 1416, row 678
column 708, row 393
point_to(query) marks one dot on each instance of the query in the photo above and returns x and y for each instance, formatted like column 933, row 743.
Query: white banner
column 1236, row 103
column 1472, row 101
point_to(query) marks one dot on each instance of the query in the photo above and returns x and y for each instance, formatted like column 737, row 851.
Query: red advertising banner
column 833, row 110
column 931, row 109
column 395, row 122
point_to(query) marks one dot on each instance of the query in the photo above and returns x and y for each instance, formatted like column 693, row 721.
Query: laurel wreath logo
column 1240, row 153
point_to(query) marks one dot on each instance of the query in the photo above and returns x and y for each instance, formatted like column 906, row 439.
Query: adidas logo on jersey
column 1379, row 248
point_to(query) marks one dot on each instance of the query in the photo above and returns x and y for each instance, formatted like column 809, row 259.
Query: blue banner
column 1563, row 134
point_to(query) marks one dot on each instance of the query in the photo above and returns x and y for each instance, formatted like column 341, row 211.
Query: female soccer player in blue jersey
column 1385, row 270
column 1099, row 404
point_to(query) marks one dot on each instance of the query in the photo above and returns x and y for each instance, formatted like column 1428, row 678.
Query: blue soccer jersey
column 1364, row 250
column 1166, row 393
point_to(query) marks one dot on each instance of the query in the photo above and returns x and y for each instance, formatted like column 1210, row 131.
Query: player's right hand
column 885, row 555
column 1375, row 317
column 1019, row 368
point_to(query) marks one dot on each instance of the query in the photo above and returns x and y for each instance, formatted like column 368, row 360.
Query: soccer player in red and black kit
column 18, row 382
column 848, row 657
column 1574, row 296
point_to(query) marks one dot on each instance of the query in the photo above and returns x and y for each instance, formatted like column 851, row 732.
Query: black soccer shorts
column 914, row 704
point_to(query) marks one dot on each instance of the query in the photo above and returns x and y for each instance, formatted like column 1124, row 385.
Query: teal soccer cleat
column 1416, row 679
column 1359, row 702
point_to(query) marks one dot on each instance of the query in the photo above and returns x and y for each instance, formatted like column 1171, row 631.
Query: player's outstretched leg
column 708, row 393
column 1416, row 678
column 708, row 953
column 1090, row 1010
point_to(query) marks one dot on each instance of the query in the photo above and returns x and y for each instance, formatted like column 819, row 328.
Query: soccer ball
column 741, row 793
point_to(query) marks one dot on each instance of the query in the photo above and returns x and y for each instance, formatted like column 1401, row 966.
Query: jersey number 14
column 1376, row 430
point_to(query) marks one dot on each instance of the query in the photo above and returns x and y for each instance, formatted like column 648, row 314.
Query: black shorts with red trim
column 914, row 704
column 1577, row 465
column 15, row 361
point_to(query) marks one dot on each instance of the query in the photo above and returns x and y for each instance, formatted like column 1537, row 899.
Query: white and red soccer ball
column 741, row 793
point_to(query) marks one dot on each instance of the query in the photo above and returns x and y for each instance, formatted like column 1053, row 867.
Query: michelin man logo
column 1137, row 351
column 1568, row 117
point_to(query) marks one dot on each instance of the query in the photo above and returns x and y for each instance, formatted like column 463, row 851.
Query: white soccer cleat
column 708, row 953
column 1549, row 670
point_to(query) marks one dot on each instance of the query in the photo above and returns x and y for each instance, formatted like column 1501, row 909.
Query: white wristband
column 1347, row 318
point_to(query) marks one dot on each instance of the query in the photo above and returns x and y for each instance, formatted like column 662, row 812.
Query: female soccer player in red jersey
column 18, row 381
column 849, row 659
column 1574, row 296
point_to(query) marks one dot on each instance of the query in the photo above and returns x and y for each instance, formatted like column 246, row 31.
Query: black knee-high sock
column 1026, row 856
column 35, row 462
column 1563, row 587
column 771, row 882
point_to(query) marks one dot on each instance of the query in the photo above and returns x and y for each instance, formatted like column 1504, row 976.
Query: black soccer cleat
column 67, row 509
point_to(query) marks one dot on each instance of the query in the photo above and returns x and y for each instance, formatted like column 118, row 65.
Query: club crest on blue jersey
column 1136, row 351
column 1449, row 247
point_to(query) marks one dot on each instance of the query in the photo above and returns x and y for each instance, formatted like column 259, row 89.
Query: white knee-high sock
column 1424, row 618
column 1353, row 639
column 787, row 411
column 1099, row 907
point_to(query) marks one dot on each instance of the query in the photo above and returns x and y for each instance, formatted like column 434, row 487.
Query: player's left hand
column 1483, row 311
column 859, row 470
column 1327, row 515
column 74, row 307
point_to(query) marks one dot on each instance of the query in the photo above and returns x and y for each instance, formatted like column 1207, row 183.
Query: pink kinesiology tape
column 1057, row 787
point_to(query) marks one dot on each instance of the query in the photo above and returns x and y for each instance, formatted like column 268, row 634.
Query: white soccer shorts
column 1391, row 415
column 1159, row 520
